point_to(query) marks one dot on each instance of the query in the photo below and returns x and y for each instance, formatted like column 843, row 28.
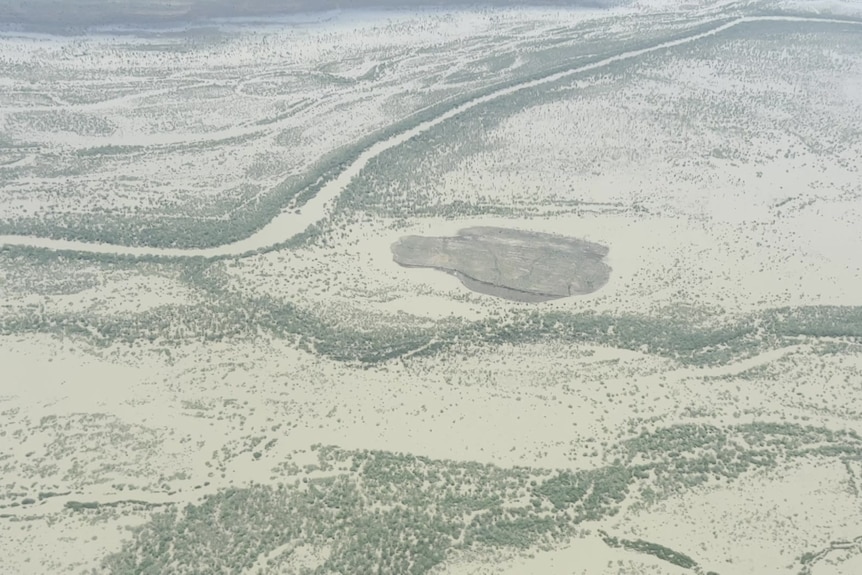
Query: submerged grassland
column 645, row 355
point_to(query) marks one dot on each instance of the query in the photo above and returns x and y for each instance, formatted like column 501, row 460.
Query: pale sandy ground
column 775, row 227
column 213, row 92
column 761, row 523
column 288, row 223
column 586, row 556
column 116, row 296
column 839, row 564
column 657, row 262
column 494, row 397
column 166, row 411
column 60, row 543
column 212, row 396
column 851, row 8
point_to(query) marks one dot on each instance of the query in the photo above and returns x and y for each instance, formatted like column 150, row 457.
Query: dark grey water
column 512, row 264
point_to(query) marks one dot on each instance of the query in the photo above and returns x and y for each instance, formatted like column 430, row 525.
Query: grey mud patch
column 512, row 264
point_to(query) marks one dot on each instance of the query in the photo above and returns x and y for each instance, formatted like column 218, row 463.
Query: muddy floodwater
column 512, row 264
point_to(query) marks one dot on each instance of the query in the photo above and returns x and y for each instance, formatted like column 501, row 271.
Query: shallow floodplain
column 309, row 406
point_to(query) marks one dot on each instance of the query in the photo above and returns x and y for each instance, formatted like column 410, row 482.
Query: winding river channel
column 289, row 223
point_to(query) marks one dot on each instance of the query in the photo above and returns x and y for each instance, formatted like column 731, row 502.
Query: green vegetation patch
column 654, row 549
column 390, row 513
column 680, row 334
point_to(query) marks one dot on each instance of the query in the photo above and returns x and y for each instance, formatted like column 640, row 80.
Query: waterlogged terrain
column 448, row 292
column 516, row 265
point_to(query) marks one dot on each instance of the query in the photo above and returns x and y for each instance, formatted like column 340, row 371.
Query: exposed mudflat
column 512, row 264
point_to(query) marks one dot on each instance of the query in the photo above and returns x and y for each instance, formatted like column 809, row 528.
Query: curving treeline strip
column 289, row 223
